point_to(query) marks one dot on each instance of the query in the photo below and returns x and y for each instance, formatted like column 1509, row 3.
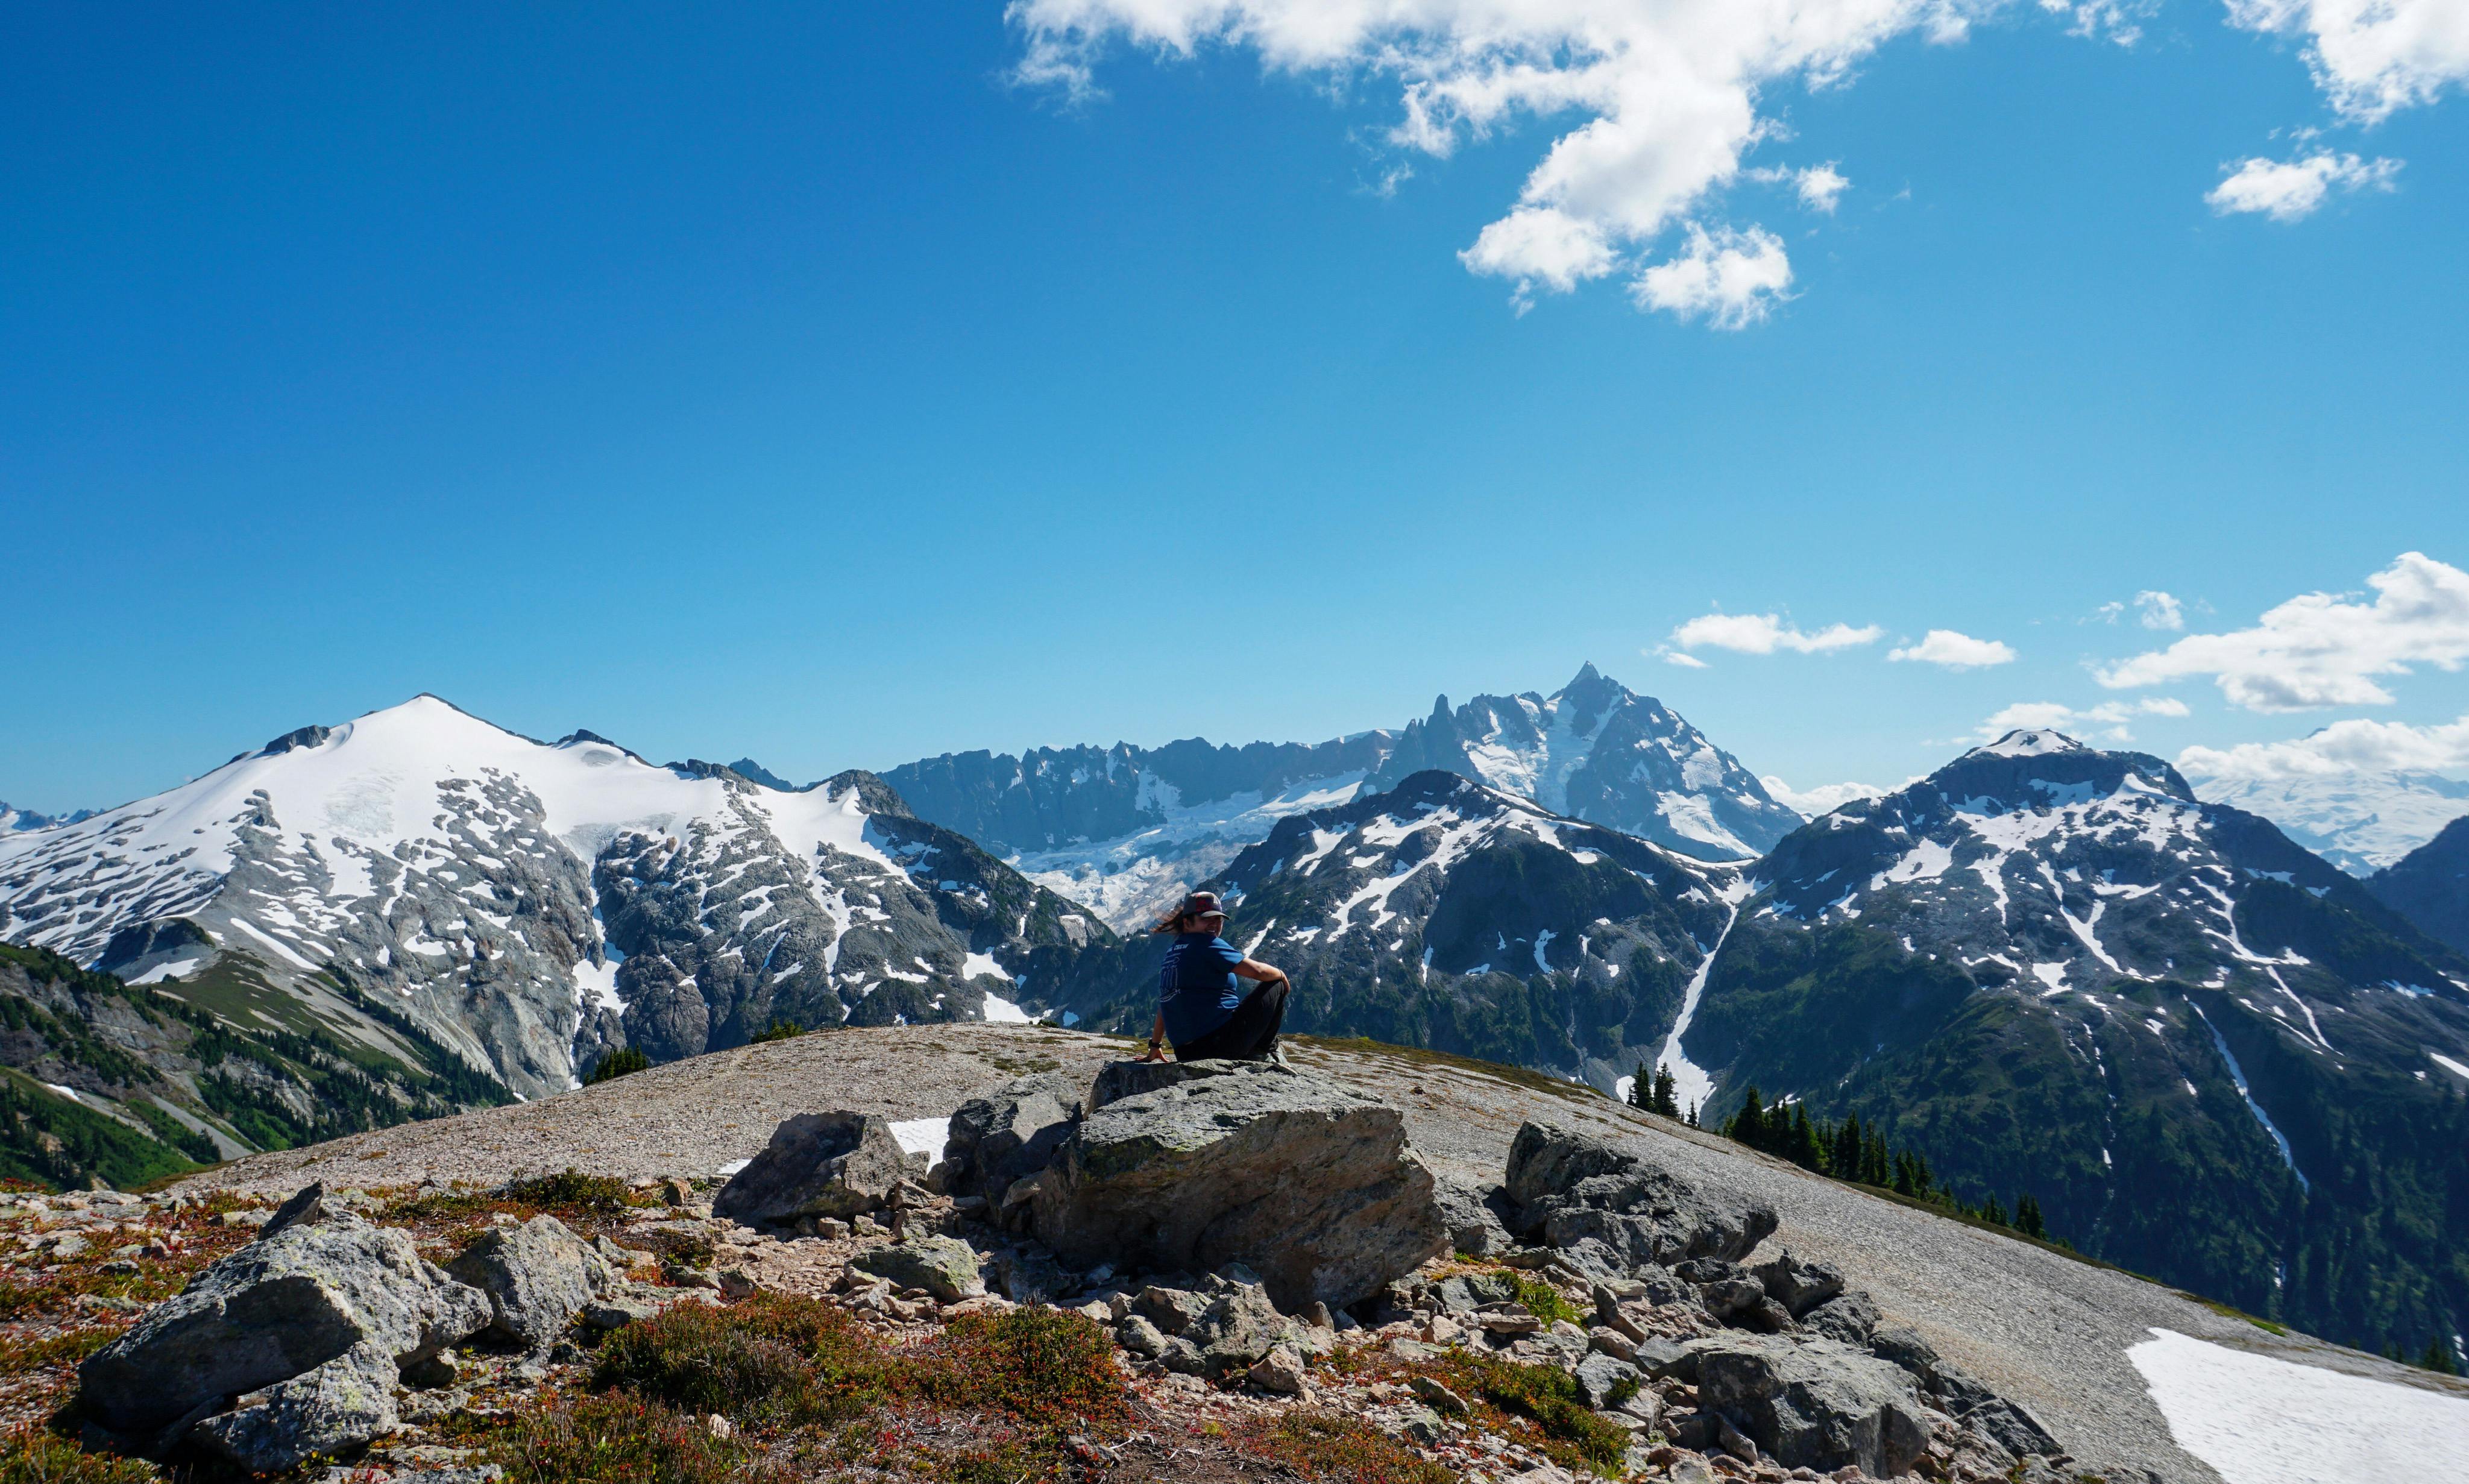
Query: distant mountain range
column 531, row 905
column 2360, row 821
column 1129, row 829
column 14, row 818
column 2208, row 1054
column 2429, row 886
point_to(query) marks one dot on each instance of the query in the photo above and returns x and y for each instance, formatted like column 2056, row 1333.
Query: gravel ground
column 2047, row 1330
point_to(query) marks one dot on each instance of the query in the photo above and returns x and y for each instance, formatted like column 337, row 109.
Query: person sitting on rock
column 1202, row 1006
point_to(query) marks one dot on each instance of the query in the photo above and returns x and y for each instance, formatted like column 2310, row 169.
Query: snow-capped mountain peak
column 2030, row 742
column 531, row 903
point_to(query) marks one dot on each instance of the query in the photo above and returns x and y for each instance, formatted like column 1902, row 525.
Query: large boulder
column 345, row 1404
column 1474, row 1215
column 817, row 1164
column 1815, row 1403
column 1310, row 1184
column 277, row 1309
column 1010, row 1133
column 539, row 1275
column 1572, row 1188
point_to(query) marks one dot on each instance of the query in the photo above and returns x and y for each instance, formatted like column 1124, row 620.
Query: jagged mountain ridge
column 1126, row 829
column 534, row 905
column 2211, row 1054
column 1450, row 915
column 2429, row 886
column 12, row 819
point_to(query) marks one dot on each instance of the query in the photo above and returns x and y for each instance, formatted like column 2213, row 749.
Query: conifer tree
column 1993, row 1213
column 1637, row 1088
column 1804, row 1149
column 1667, row 1094
column 2027, row 1216
column 2438, row 1357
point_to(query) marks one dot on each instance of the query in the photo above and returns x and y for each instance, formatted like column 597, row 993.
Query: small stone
column 1444, row 1330
column 1439, row 1396
column 735, row 1283
column 944, row 1266
column 831, row 1228
column 1423, row 1425
column 676, row 1193
column 1140, row 1338
column 615, row 1313
column 1280, row 1371
column 1612, row 1342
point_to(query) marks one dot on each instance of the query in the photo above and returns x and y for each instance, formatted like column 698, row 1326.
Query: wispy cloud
column 2107, row 720
column 1955, row 651
column 2293, row 190
column 1764, row 634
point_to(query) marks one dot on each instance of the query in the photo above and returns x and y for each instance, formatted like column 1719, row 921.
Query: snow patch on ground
column 923, row 1135
column 1003, row 1013
column 2259, row 1420
column 2448, row 1064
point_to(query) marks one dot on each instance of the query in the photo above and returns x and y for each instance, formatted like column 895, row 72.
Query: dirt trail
column 2047, row 1330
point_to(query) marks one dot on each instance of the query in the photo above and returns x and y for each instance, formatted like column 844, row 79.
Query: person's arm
column 1254, row 969
column 1156, row 1040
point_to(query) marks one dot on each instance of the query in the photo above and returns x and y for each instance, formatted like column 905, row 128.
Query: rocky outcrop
column 836, row 1165
column 1118, row 1080
column 277, row 1310
column 1308, row 1183
column 1010, row 1133
column 1574, row 1191
column 538, row 1275
column 1473, row 1215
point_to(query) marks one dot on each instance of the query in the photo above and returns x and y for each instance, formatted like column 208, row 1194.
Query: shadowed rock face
column 817, row 1164
column 1010, row 1133
column 1308, row 1184
column 1816, row 1403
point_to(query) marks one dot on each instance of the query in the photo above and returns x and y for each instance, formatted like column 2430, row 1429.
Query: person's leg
column 1249, row 1034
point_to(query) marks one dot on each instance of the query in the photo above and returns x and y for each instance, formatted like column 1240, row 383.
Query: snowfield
column 2264, row 1421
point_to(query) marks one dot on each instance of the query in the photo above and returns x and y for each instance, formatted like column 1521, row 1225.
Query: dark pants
column 1249, row 1034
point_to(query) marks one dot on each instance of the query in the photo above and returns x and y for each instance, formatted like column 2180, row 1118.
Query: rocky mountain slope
column 533, row 905
column 1126, row 829
column 106, row 1080
column 1446, row 914
column 2103, row 1359
column 2429, row 886
column 2209, row 1054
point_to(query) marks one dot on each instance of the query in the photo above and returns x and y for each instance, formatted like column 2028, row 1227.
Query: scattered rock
column 615, row 1313
column 945, row 1266
column 1798, row 1287
column 1172, row 1309
column 306, row 1206
column 273, row 1311
column 1140, row 1338
column 1599, row 1375
column 1280, row 1371
column 817, row 1164
column 1008, row 1134
column 1849, row 1317
column 1236, row 1330
column 1203, row 1173
column 1439, row 1396
column 537, row 1276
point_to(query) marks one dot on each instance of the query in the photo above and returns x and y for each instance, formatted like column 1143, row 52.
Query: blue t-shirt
column 1197, row 988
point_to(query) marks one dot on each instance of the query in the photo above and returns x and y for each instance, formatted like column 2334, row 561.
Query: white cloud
column 1824, row 799
column 2110, row 716
column 2370, row 56
column 2323, row 649
column 2291, row 189
column 1762, row 634
column 2158, row 611
column 1955, row 651
column 2339, row 750
column 1684, row 661
column 1660, row 99
column 1731, row 278
column 1819, row 187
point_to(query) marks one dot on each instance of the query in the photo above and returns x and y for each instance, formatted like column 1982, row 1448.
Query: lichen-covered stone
column 817, row 1164
column 538, row 1275
column 1307, row 1182
column 272, row 1311
column 345, row 1404
column 944, row 1266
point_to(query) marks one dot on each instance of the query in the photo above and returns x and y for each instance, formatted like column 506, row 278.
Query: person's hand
column 1155, row 1053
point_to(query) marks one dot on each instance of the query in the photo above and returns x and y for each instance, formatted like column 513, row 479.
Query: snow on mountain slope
column 2055, row 969
column 1443, row 913
column 2359, row 821
column 1129, row 829
column 12, row 819
column 533, row 905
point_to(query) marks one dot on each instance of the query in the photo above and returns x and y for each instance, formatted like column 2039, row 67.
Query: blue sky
column 802, row 382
